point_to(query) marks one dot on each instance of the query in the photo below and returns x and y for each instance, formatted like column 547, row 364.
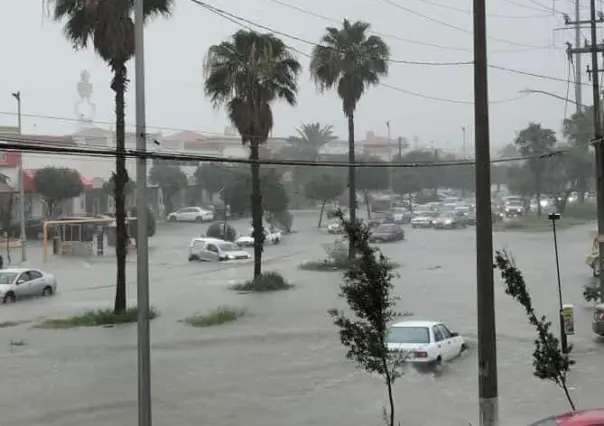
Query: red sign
column 9, row 158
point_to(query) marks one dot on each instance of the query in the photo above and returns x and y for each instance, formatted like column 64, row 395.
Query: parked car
column 19, row 283
column 422, row 220
column 270, row 237
column 214, row 249
column 387, row 232
column 335, row 228
column 425, row 342
column 449, row 221
column 191, row 214
column 598, row 320
column 380, row 219
column 514, row 209
column 401, row 215
column 593, row 417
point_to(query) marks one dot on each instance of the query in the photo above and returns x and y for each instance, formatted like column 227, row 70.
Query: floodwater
column 283, row 363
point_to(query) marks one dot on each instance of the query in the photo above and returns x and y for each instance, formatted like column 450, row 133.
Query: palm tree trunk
column 256, row 207
column 321, row 213
column 120, row 178
column 352, row 187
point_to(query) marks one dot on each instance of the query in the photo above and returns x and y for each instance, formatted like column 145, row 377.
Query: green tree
column 170, row 179
column 57, row 184
column 349, row 61
column 549, row 360
column 371, row 179
column 535, row 141
column 407, row 181
column 108, row 25
column 367, row 289
column 323, row 188
column 109, row 186
column 247, row 74
column 274, row 195
column 579, row 131
column 212, row 177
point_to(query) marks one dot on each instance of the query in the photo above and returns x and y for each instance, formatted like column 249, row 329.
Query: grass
column 95, row 318
column 267, row 282
column 327, row 265
column 218, row 316
column 8, row 324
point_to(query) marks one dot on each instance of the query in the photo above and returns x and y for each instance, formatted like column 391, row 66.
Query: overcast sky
column 38, row 61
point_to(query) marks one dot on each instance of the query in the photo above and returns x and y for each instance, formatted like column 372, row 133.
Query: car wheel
column 192, row 257
column 9, row 298
column 277, row 241
column 199, row 219
column 171, row 218
column 47, row 291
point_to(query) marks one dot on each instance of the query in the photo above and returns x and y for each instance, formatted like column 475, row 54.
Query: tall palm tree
column 247, row 73
column 108, row 25
column 311, row 138
column 349, row 61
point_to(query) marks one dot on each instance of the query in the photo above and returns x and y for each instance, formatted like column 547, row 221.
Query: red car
column 593, row 417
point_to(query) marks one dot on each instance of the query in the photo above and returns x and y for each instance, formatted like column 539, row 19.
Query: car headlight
column 230, row 256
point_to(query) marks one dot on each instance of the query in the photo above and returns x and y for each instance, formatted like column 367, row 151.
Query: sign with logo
column 569, row 319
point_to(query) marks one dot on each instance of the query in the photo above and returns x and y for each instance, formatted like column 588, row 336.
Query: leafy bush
column 591, row 293
column 218, row 316
column 267, row 282
column 216, row 230
column 282, row 220
column 96, row 318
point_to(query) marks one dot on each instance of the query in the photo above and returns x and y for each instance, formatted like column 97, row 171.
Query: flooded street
column 282, row 364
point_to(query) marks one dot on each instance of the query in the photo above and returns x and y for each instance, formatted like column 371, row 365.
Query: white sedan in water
column 425, row 342
column 18, row 283
column 270, row 237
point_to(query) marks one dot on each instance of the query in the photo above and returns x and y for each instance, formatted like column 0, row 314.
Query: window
column 24, row 277
column 438, row 335
column 198, row 244
column 34, row 275
column 7, row 277
column 212, row 248
column 445, row 331
column 409, row 335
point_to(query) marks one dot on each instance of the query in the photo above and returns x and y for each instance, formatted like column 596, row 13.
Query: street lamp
column 23, row 237
column 552, row 95
column 563, row 338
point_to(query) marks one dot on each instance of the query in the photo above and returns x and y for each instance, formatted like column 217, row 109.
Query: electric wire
column 489, row 15
column 15, row 143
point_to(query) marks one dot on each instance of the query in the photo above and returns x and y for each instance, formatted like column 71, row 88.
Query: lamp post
column 23, row 237
column 563, row 338
column 389, row 168
column 551, row 95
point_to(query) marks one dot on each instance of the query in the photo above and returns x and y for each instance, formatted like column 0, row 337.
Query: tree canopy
column 56, row 184
column 170, row 179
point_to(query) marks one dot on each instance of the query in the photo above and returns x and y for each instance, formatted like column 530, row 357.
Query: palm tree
column 247, row 74
column 108, row 25
column 311, row 138
column 349, row 61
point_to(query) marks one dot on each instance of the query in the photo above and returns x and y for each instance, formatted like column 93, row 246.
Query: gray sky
column 41, row 63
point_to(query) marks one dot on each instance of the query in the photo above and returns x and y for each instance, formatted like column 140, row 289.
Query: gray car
column 214, row 249
column 598, row 321
column 449, row 221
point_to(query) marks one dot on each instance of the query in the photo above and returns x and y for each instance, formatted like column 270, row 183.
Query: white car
column 336, row 228
column 214, row 249
column 191, row 214
column 18, row 283
column 270, row 237
column 425, row 342
column 422, row 221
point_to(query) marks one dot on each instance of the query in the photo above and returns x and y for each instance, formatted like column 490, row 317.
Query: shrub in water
column 218, row 316
column 216, row 230
column 268, row 281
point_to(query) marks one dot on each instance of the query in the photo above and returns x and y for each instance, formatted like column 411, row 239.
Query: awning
column 28, row 180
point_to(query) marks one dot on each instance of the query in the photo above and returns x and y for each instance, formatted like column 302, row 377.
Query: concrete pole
column 389, row 168
column 142, row 249
column 21, row 182
column 485, row 295
column 578, row 70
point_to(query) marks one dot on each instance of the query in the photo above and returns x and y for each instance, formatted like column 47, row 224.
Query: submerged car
column 422, row 220
column 18, row 283
column 449, row 221
column 387, row 232
column 335, row 228
column 214, row 249
column 425, row 342
column 593, row 417
column 270, row 237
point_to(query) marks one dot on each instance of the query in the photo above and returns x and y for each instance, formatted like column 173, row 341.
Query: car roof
column 209, row 240
column 415, row 324
column 577, row 418
column 17, row 270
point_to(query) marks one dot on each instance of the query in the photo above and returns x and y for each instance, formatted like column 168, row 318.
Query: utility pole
column 485, row 294
column 594, row 48
column 21, row 181
column 389, row 168
column 142, row 243
column 464, row 154
column 400, row 148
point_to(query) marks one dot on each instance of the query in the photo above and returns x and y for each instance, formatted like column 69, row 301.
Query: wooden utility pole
column 594, row 48
column 485, row 294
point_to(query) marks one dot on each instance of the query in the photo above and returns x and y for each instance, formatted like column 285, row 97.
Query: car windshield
column 228, row 247
column 409, row 335
column 385, row 228
column 447, row 216
column 7, row 277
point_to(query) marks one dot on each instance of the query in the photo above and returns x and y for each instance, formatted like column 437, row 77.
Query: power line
column 454, row 27
column 22, row 144
column 490, row 15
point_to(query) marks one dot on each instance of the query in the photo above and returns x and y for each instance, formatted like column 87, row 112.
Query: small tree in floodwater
column 549, row 360
column 367, row 289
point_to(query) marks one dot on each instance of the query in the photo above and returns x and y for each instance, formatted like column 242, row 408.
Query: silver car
column 19, row 283
column 214, row 250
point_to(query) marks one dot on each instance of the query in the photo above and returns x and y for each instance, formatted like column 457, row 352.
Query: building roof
column 41, row 139
column 186, row 136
